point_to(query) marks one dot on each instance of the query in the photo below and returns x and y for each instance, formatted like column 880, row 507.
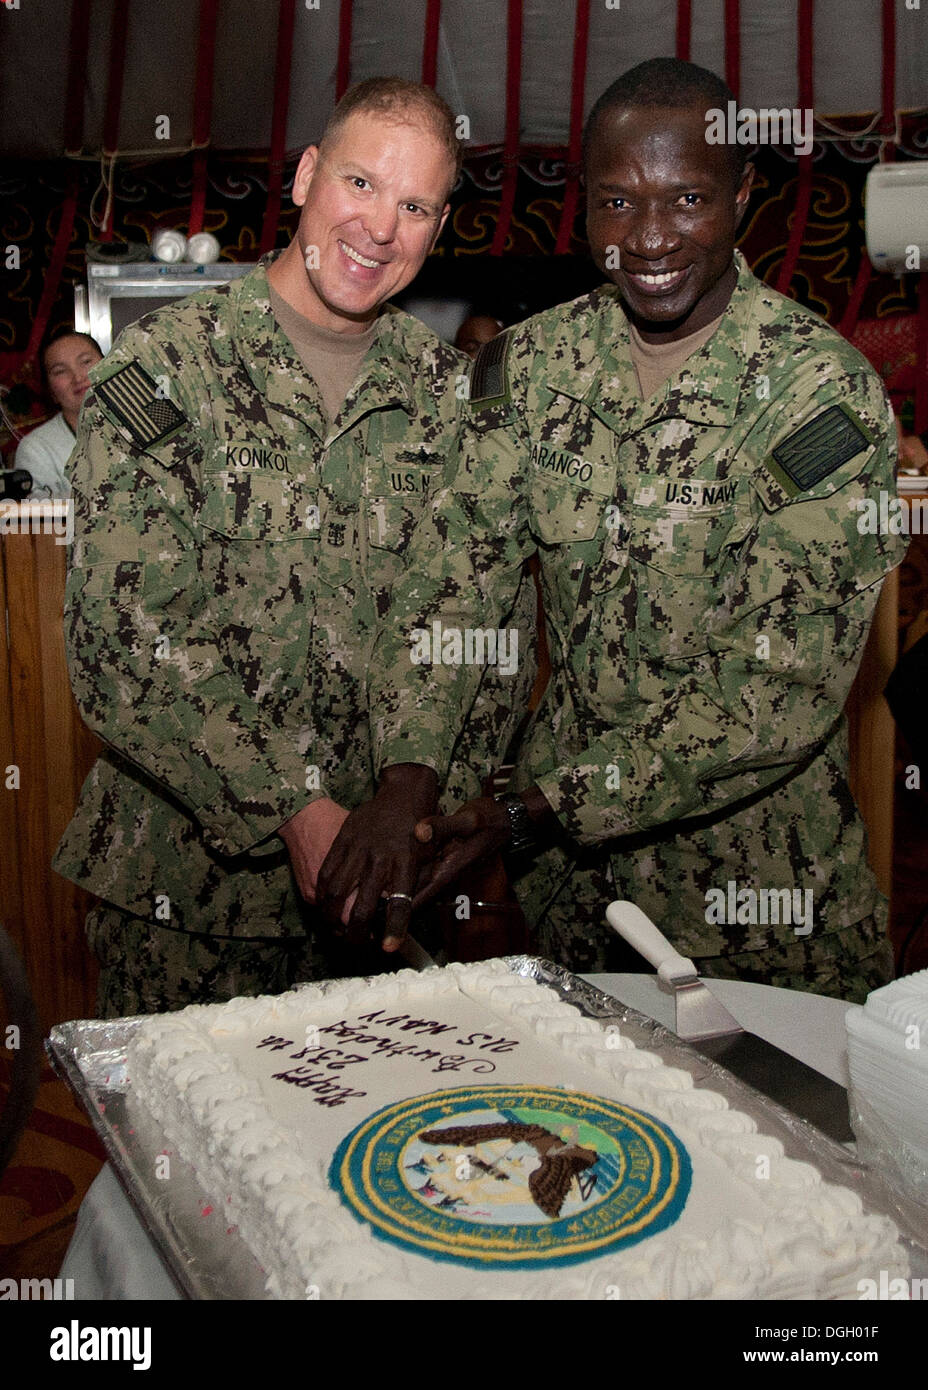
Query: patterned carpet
column 57, row 1159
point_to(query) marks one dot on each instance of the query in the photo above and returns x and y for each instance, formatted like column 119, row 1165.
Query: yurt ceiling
column 97, row 75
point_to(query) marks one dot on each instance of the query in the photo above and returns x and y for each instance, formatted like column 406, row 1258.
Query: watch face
column 520, row 826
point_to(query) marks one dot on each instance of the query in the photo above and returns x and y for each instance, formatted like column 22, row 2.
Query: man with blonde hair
column 250, row 465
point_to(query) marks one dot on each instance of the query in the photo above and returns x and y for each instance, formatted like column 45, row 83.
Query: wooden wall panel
column 29, row 749
column 43, row 733
column 10, row 890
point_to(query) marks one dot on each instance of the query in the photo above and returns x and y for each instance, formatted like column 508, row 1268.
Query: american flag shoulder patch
column 140, row 405
column 810, row 453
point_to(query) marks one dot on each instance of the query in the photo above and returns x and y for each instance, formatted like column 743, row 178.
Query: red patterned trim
column 430, row 43
column 806, row 63
column 55, row 265
column 202, row 110
column 889, row 73
column 343, row 65
column 77, row 74
column 684, row 28
column 804, row 189
column 275, row 181
column 513, row 103
column 733, row 44
column 117, row 71
column 575, row 140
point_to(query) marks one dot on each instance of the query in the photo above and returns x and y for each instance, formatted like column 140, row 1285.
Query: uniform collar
column 388, row 380
column 599, row 370
column 271, row 362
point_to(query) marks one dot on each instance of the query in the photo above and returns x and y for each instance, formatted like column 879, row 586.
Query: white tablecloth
column 807, row 1026
column 112, row 1257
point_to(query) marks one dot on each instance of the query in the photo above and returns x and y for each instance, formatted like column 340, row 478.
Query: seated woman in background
column 66, row 359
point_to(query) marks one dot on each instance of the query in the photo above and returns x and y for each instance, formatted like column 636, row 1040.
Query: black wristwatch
column 520, row 825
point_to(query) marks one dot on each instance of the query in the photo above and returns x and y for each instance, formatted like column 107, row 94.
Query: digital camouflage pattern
column 224, row 590
column 707, row 595
column 146, row 968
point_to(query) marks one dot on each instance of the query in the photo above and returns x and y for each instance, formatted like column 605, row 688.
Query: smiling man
column 683, row 449
column 249, row 468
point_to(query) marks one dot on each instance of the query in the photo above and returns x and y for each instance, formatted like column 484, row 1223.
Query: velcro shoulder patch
column 489, row 376
column 139, row 404
column 818, row 448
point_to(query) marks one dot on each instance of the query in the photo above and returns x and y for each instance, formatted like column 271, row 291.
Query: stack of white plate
column 887, row 1045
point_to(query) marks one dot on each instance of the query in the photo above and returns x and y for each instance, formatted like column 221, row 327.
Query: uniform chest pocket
column 562, row 514
column 259, row 507
column 585, row 532
column 258, row 558
column 677, row 542
column 399, row 490
column 583, row 556
column 679, row 563
column 391, row 522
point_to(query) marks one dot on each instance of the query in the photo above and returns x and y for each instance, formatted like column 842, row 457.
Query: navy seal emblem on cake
column 516, row 1176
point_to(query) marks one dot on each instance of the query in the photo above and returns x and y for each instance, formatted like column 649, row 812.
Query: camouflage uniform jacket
column 225, row 585
column 707, row 593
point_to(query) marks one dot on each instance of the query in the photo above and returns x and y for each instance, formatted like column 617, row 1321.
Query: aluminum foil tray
column 209, row 1260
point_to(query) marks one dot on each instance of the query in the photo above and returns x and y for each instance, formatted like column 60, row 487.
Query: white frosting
column 755, row 1225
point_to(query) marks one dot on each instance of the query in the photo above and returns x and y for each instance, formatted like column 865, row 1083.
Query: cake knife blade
column 705, row 1023
column 415, row 955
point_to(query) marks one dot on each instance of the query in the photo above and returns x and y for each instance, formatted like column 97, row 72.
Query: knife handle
column 639, row 931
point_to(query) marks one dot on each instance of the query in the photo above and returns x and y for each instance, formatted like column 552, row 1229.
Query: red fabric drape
column 202, row 110
column 889, row 73
column 733, row 44
column 684, row 28
column 430, row 43
column 800, row 217
column 117, row 68
column 77, row 73
column 198, row 194
column 921, row 358
column 575, row 138
column 73, row 143
column 513, row 103
column 852, row 312
column 806, row 32
column 285, row 16
column 343, row 62
column 804, row 186
column 56, row 264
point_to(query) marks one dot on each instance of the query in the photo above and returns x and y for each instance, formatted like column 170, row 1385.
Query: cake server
column 705, row 1023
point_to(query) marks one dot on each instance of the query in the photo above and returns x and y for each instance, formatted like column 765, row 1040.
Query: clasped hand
column 395, row 847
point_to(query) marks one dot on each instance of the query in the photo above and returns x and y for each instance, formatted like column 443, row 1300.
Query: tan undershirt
column 333, row 360
column 656, row 363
